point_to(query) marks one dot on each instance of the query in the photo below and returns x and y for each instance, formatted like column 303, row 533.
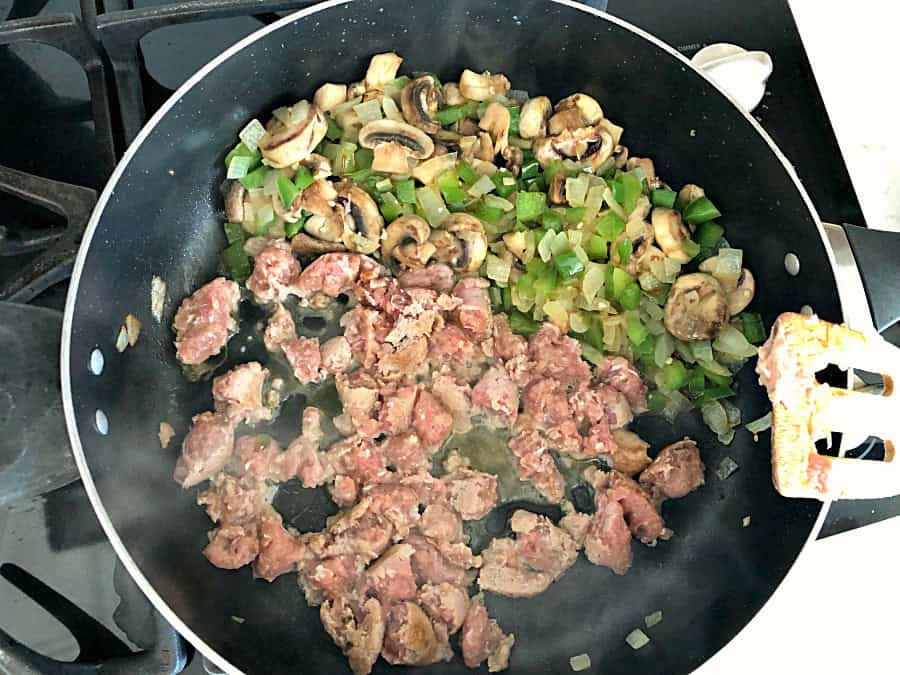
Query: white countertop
column 836, row 611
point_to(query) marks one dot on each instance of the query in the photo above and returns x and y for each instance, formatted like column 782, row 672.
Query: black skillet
column 161, row 214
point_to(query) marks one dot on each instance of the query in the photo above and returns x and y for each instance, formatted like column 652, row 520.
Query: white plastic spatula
column 805, row 410
column 741, row 73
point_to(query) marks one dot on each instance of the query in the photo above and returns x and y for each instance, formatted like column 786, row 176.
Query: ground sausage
column 206, row 448
column 204, row 321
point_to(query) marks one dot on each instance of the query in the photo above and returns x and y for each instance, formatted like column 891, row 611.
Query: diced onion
column 745, row 521
column 761, row 424
column 592, row 281
column 498, row 202
column 578, row 322
column 672, row 268
column 344, row 107
column 543, row 248
column 731, row 341
column 637, row 639
column 730, row 261
column 251, row 133
column 649, row 282
column 557, row 312
column 132, row 329
column 239, row 166
column 613, row 204
column 560, row 243
column 384, row 185
column 270, row 183
column 482, row 186
column 157, row 297
column 653, row 618
column 733, row 413
column 368, row 111
column 677, row 403
column 391, row 111
column 521, row 302
column 576, row 190
column 282, row 114
column 665, row 345
column 702, row 350
column 714, row 367
column 726, row 468
column 428, row 171
column 497, row 269
column 715, row 417
column 121, row 340
column 432, row 205
column 685, row 352
column 582, row 256
column 593, row 202
column 579, row 662
column 726, row 438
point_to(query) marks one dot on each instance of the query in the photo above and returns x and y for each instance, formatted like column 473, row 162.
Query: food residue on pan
column 166, row 432
column 500, row 289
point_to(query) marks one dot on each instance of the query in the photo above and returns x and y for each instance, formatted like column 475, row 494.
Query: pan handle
column 877, row 255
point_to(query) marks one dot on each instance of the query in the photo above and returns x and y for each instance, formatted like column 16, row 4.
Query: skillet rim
column 97, row 214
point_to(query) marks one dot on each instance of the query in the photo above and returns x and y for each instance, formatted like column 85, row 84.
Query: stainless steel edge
column 854, row 303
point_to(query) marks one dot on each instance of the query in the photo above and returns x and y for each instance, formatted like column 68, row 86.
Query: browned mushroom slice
column 393, row 143
column 740, row 297
column 513, row 157
column 283, row 144
column 330, row 95
column 451, row 93
column 587, row 106
column 696, row 307
column 689, row 193
column 303, row 244
column 406, row 244
column 234, row 202
column 495, row 121
column 419, row 100
column 568, row 119
column 533, row 117
column 670, row 233
column 362, row 220
column 461, row 244
column 382, row 69
column 480, row 87
column 318, row 198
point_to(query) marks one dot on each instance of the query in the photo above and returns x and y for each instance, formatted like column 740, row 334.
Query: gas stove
column 84, row 78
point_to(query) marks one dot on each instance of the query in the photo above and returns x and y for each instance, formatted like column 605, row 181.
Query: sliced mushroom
column 483, row 168
column 740, row 297
column 393, row 143
column 480, row 87
column 382, row 69
column 363, row 221
column 234, row 202
column 451, row 94
column 325, row 228
column 613, row 130
column 557, row 191
column 696, row 308
column 649, row 170
column 495, row 121
column 670, row 233
column 419, row 100
column 330, row 95
column 406, row 244
column 303, row 244
column 517, row 244
column 590, row 110
column 513, row 157
column 620, row 152
column 641, row 235
column 356, row 90
column 585, row 144
column 689, row 193
column 479, row 147
column 468, row 126
column 283, row 145
column 461, row 244
column 643, row 260
column 569, row 118
column 544, row 151
column 318, row 198
column 533, row 117
column 318, row 165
